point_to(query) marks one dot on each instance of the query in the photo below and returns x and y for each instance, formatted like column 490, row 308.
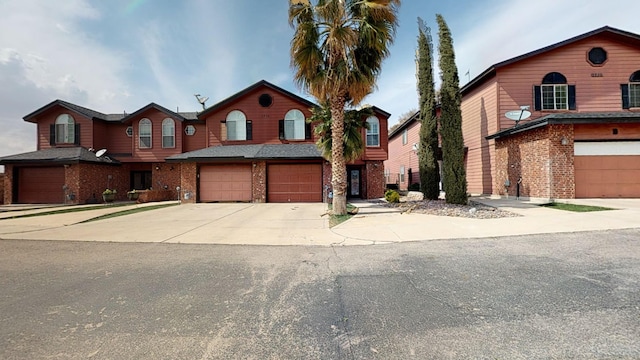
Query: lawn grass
column 338, row 219
column 575, row 207
column 129, row 212
column 69, row 209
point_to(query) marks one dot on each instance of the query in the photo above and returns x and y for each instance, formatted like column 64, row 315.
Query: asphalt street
column 557, row 296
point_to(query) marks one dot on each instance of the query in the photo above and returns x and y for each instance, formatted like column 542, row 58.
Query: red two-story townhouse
column 254, row 146
column 582, row 139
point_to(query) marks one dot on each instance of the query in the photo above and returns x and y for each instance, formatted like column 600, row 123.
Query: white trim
column 600, row 148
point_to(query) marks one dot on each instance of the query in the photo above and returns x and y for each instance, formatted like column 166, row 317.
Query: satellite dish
column 101, row 152
column 517, row 115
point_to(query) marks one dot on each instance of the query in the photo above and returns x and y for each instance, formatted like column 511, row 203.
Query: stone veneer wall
column 545, row 165
column 2, row 188
column 259, row 182
column 188, row 182
column 95, row 179
column 8, row 184
column 166, row 177
column 375, row 181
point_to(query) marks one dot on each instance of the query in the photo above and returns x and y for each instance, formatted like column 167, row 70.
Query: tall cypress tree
column 455, row 182
column 428, row 150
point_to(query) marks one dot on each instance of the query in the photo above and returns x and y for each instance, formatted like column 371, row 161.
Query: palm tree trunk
column 338, row 163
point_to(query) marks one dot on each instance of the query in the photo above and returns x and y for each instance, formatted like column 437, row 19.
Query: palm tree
column 337, row 51
column 354, row 122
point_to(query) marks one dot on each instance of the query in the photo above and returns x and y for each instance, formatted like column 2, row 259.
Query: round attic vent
column 597, row 56
column 265, row 100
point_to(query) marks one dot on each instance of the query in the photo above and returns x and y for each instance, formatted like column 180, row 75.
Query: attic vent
column 597, row 56
column 265, row 100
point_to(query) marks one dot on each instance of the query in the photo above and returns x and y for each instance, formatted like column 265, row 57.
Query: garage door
column 225, row 183
column 607, row 170
column 294, row 183
column 41, row 185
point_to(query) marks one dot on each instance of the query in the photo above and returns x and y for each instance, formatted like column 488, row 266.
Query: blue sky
column 120, row 55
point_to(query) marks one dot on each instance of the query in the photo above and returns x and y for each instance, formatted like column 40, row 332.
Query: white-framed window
column 168, row 133
column 373, row 132
column 555, row 92
column 65, row 129
column 190, row 130
column 144, row 134
column 236, row 125
column 402, row 173
column 294, row 125
column 405, row 137
column 129, row 131
column 387, row 175
column 634, row 90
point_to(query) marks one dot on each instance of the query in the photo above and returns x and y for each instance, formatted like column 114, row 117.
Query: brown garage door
column 294, row 183
column 225, row 182
column 41, row 185
column 607, row 176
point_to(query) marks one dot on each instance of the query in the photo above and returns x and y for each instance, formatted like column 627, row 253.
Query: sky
column 119, row 55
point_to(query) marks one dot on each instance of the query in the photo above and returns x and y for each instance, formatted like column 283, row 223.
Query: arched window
column 65, row 129
column 236, row 125
column 168, row 133
column 144, row 134
column 634, row 90
column 554, row 93
column 373, row 131
column 294, row 125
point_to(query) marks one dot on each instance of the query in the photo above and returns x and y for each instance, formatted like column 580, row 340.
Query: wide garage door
column 225, row 182
column 607, row 170
column 41, row 185
column 294, row 183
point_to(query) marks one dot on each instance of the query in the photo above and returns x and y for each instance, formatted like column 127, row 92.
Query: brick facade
column 375, row 180
column 2, row 188
column 259, row 181
column 188, row 182
column 540, row 159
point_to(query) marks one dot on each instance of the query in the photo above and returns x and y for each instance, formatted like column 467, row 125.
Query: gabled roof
column 570, row 118
column 261, row 83
column 91, row 114
column 67, row 155
column 613, row 33
column 415, row 117
column 155, row 106
column 249, row 152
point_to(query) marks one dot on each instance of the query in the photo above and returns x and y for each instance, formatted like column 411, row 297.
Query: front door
column 353, row 188
column 141, row 180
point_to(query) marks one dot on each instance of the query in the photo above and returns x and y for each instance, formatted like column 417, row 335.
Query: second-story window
column 144, row 134
column 554, row 93
column 373, row 131
column 631, row 92
column 236, row 125
column 168, row 133
column 294, row 125
column 65, row 129
column 405, row 136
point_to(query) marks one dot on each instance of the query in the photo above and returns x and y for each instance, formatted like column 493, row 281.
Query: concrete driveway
column 222, row 223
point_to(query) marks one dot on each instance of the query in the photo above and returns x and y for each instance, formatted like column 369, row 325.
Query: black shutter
column 625, row 95
column 281, row 129
column 537, row 98
column 249, row 130
column 76, row 134
column 307, row 130
column 572, row 97
column 52, row 135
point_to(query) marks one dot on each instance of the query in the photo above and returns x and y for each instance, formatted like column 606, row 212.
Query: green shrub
column 414, row 187
column 392, row 196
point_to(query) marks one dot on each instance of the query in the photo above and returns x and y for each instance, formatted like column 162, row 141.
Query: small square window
column 190, row 130
column 129, row 131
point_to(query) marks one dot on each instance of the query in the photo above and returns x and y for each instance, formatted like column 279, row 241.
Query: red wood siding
column 48, row 118
column 264, row 120
column 403, row 155
column 480, row 119
column 117, row 140
column 593, row 93
column 196, row 141
column 156, row 153
column 605, row 132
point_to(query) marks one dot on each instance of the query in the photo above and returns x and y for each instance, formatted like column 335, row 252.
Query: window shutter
column 249, row 130
column 281, row 129
column 52, row 135
column 76, row 134
column 307, row 130
column 537, row 98
column 625, row 95
column 572, row 97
